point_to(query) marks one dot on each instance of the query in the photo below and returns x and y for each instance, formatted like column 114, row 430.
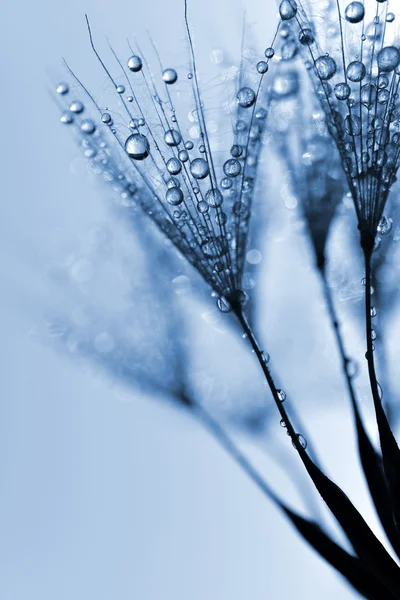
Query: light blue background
column 103, row 494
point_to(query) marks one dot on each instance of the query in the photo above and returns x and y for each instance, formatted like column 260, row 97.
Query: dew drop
column 120, row 89
column 223, row 305
column 106, row 118
column 172, row 137
column 137, row 146
column 385, row 225
column 62, row 88
column 354, row 12
column 342, row 91
column 353, row 125
column 282, row 423
column 281, row 395
column 174, row 196
column 326, row 67
column 262, row 67
column 246, row 97
column 356, row 71
column 232, row 167
column 174, row 166
column 302, row 441
column 287, row 9
column 199, row 168
column 265, row 357
column 183, row 156
column 135, row 63
column 88, row 126
column 226, row 182
column 373, row 311
column 76, row 107
column 214, row 198
column 169, row 76
column 306, row 37
column 203, row 207
column 388, row 59
column 66, row 118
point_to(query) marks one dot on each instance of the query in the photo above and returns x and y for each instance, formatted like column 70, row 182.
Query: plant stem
column 387, row 438
column 269, row 379
column 339, row 340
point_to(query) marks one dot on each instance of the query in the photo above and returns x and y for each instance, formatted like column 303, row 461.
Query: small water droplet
column 62, row 88
column 169, row 76
column 281, row 395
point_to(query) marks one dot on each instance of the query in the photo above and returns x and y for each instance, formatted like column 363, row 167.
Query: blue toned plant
column 202, row 196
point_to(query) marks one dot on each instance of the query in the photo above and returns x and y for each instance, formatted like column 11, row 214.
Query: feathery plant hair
column 204, row 208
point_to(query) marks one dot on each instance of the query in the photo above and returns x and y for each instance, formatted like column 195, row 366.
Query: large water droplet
column 169, row 76
column 388, row 59
column 355, row 12
column 135, row 63
column 223, row 305
column 246, row 97
column 326, row 67
column 356, row 71
column 199, row 168
column 352, row 125
column 287, row 9
column 232, row 167
column 172, row 137
column 174, row 166
column 214, row 198
column 137, row 146
column 174, row 196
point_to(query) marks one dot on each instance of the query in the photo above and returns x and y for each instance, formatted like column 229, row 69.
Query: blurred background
column 107, row 491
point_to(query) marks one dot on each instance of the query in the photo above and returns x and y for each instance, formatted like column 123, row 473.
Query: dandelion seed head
column 354, row 64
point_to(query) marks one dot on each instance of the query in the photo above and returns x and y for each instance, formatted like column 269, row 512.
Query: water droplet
column 120, row 89
column 199, row 168
column 214, row 198
column 88, row 126
column 326, row 67
column 388, row 59
column 137, row 146
column 373, row 311
column 373, row 334
column 232, row 167
column 302, row 441
column 189, row 145
column 282, row 423
column 269, row 52
column 356, row 71
column 174, row 166
column 169, row 76
column 385, row 225
column 223, row 305
column 351, row 367
column 287, row 9
column 265, row 357
column 135, row 63
column 172, row 137
column 226, row 182
column 246, row 97
column 174, row 196
column 62, row 88
column 342, row 91
column 306, row 37
column 66, row 118
column 262, row 67
column 76, row 107
column 236, row 151
column 203, row 207
column 106, row 118
column 354, row 12
column 281, row 395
